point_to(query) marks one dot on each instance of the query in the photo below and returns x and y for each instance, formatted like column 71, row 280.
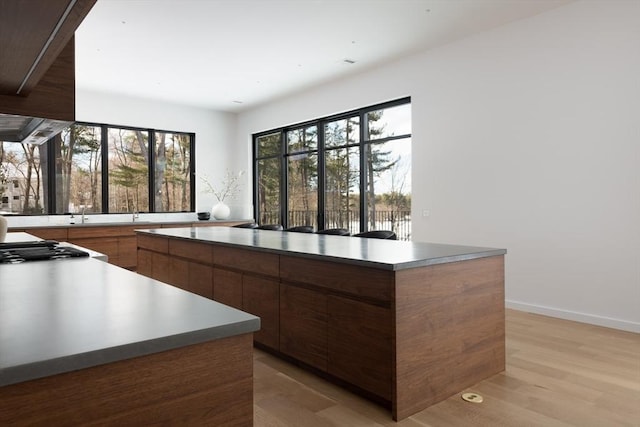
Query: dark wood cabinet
column 359, row 344
column 227, row 288
column 35, row 81
column 303, row 325
column 260, row 297
column 410, row 337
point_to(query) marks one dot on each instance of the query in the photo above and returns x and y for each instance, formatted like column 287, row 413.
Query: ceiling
column 232, row 55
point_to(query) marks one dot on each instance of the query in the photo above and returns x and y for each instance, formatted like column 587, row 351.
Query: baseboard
column 575, row 316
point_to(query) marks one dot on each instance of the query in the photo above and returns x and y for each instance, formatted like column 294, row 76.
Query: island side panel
column 203, row 384
column 449, row 331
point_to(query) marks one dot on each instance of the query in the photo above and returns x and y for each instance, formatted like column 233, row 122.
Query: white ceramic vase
column 3, row 228
column 220, row 211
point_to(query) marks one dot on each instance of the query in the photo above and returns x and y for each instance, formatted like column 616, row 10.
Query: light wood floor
column 559, row 373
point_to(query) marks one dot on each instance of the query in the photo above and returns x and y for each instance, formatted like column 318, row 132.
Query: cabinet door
column 227, row 287
column 178, row 273
column 59, row 234
column 104, row 245
column 201, row 279
column 160, row 267
column 127, row 247
column 260, row 297
column 359, row 344
column 303, row 325
column 145, row 262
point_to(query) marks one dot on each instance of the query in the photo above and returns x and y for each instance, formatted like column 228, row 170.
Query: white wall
column 526, row 137
column 215, row 131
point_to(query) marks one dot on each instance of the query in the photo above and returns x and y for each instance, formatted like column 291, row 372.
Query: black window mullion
column 104, row 149
column 284, row 181
column 321, row 178
column 364, row 212
column 151, row 145
column 192, row 171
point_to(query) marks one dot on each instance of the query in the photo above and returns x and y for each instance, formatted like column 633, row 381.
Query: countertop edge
column 484, row 253
column 46, row 368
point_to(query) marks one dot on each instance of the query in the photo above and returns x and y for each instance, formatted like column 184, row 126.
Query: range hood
column 29, row 130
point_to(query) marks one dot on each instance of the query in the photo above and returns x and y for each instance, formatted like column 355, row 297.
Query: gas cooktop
column 17, row 252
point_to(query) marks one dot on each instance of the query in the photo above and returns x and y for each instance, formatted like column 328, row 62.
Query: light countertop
column 377, row 253
column 64, row 315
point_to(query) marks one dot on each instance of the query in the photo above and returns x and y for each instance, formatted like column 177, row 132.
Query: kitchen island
column 405, row 324
column 83, row 341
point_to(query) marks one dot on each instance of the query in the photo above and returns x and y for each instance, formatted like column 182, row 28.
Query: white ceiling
column 232, row 55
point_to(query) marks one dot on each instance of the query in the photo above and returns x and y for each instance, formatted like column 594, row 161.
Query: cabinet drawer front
column 247, row 260
column 350, row 279
column 194, row 251
column 153, row 243
column 201, row 279
column 59, row 234
column 261, row 297
column 227, row 287
column 303, row 325
column 359, row 344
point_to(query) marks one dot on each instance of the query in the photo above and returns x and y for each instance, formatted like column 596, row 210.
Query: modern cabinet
column 405, row 337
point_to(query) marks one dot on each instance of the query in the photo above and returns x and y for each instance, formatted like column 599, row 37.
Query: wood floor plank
column 559, row 373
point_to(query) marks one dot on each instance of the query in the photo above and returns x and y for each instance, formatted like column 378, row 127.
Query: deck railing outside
column 398, row 221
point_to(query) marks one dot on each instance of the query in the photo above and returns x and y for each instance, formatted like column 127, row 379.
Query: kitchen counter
column 382, row 254
column 406, row 324
column 72, row 325
column 59, row 316
column 26, row 237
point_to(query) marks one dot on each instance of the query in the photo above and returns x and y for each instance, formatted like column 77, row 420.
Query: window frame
column 50, row 173
column 363, row 142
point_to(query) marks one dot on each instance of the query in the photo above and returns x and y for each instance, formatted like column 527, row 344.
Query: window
column 102, row 169
column 348, row 171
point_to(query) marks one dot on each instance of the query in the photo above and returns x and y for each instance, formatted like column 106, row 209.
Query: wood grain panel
column 54, row 95
column 145, row 263
column 349, row 279
column 127, row 251
column 25, row 31
column 160, row 267
column 83, row 231
column 107, row 246
column 227, row 287
column 59, row 234
column 178, row 274
column 261, row 297
column 203, row 384
column 153, row 243
column 449, row 328
column 247, row 260
column 303, row 325
column 359, row 344
column 195, row 251
column 201, row 279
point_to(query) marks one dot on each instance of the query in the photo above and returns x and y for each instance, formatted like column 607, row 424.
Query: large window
column 101, row 169
column 348, row 171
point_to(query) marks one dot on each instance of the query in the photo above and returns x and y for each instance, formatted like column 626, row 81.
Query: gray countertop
column 65, row 315
column 377, row 253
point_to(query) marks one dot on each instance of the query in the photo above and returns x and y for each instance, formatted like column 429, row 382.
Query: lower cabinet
column 227, row 288
column 303, row 325
column 333, row 330
column 260, row 297
column 359, row 344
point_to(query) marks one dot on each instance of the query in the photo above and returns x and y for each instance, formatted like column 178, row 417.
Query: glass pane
column 268, row 145
column 78, row 169
column 303, row 139
column 342, row 132
column 23, row 183
column 342, row 189
column 303, row 189
column 388, row 178
column 268, row 172
column 128, row 170
column 394, row 121
column 172, row 172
